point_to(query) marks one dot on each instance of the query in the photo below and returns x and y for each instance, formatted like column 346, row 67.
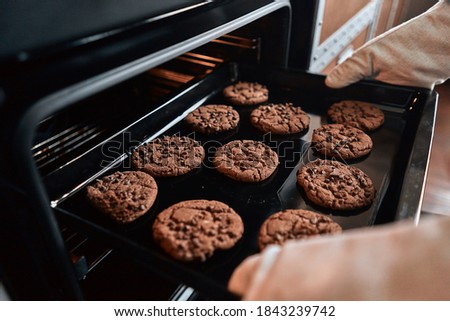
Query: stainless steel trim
column 413, row 187
column 99, row 259
column 182, row 293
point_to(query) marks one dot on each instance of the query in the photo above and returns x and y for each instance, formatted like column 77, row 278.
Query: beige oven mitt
column 398, row 261
column 415, row 53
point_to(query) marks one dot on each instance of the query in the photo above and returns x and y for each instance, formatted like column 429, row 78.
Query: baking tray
column 387, row 166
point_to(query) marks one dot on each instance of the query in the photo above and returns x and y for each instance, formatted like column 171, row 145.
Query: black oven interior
column 69, row 94
column 81, row 128
column 75, row 113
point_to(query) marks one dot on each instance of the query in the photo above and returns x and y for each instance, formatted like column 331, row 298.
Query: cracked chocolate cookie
column 357, row 114
column 246, row 160
column 295, row 224
column 168, row 156
column 246, row 93
column 334, row 185
column 341, row 141
column 213, row 119
column 195, row 229
column 279, row 119
column 123, row 196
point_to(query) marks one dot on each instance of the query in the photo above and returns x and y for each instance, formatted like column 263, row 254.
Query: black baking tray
column 387, row 165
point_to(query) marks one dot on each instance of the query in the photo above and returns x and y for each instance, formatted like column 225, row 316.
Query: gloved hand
column 415, row 53
column 395, row 262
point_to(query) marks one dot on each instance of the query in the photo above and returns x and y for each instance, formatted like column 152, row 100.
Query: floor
column 437, row 193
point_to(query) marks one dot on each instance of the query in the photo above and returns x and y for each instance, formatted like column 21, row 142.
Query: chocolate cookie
column 123, row 196
column 246, row 160
column 193, row 230
column 279, row 119
column 212, row 119
column 358, row 114
column 334, row 185
column 341, row 141
column 295, row 224
column 246, row 93
column 168, row 156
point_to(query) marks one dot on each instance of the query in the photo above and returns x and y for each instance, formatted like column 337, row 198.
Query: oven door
column 31, row 29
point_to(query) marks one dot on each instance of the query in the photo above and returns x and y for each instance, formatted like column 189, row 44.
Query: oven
column 77, row 103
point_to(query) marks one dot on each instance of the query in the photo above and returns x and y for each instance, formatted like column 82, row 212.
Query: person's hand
column 395, row 262
column 415, row 53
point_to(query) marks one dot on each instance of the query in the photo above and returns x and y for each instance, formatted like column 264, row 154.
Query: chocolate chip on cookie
column 213, row 119
column 168, row 156
column 123, row 196
column 341, row 141
column 333, row 185
column 246, row 160
column 358, row 114
column 280, row 119
column 195, row 229
column 295, row 224
column 246, row 93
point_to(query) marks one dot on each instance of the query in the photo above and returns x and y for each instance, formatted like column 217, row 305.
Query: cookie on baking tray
column 246, row 93
column 355, row 113
column 279, row 119
column 341, row 141
column 123, row 196
column 212, row 119
column 293, row 224
column 246, row 160
column 193, row 230
column 333, row 185
column 168, row 156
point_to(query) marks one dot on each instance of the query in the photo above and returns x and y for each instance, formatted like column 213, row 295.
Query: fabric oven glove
column 399, row 261
column 415, row 53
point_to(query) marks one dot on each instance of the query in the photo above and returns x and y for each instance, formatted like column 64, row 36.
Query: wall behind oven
column 338, row 30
